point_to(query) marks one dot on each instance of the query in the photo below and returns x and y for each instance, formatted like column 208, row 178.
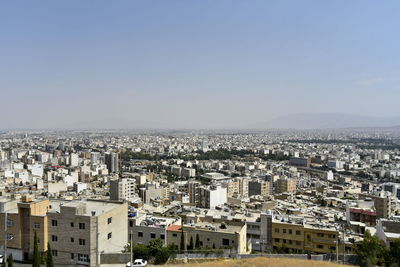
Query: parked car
column 137, row 263
column 1, row 259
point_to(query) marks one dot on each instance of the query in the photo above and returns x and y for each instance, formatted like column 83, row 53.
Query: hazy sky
column 195, row 63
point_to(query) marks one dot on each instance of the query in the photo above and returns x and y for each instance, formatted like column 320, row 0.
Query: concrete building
column 285, row 185
column 260, row 187
column 112, row 162
column 74, row 160
column 144, row 228
column 78, row 231
column 301, row 162
column 211, row 235
column 188, row 172
column 388, row 230
column 123, row 189
column 212, row 196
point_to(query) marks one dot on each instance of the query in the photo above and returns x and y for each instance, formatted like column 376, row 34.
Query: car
column 1, row 258
column 137, row 263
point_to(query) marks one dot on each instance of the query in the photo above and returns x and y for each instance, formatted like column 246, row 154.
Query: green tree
column 190, row 247
column 369, row 250
column 162, row 255
column 10, row 261
column 197, row 243
column 392, row 257
column 36, row 253
column 182, row 247
column 154, row 246
column 49, row 257
column 141, row 251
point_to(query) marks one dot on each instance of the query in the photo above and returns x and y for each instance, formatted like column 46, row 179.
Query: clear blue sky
column 195, row 63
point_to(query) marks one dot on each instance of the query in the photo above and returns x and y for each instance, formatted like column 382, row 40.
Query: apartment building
column 283, row 185
column 211, row 235
column 78, row 231
column 212, row 196
column 143, row 227
column 260, row 187
column 123, row 189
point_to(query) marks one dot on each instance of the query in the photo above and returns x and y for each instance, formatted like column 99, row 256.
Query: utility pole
column 344, row 245
column 337, row 249
column 131, row 244
column 5, row 238
column 97, row 242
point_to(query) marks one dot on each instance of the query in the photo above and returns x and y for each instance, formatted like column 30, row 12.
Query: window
column 130, row 223
column 72, row 256
column 72, row 240
column 225, row 242
column 298, row 232
column 109, row 220
column 284, row 241
column 276, row 230
column 140, row 234
column 10, row 236
column 83, row 257
column 152, row 235
column 174, row 235
column 290, row 242
column 72, row 224
column 290, row 231
column 320, row 246
column 81, row 242
column 54, row 238
column 162, row 236
column 38, row 240
column 277, row 240
column 10, row 223
column 54, row 252
column 284, row 231
column 36, row 225
column 81, row 225
column 332, row 248
column 109, row 235
column 54, row 223
column 320, row 235
column 298, row 243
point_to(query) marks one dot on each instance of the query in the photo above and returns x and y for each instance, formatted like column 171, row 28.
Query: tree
column 49, row 257
column 10, row 261
column 369, row 250
column 197, row 244
column 182, row 247
column 162, row 255
column 36, row 254
column 141, row 251
column 3, row 264
column 190, row 247
column 154, row 246
column 392, row 256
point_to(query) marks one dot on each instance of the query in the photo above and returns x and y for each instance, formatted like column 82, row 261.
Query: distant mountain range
column 330, row 120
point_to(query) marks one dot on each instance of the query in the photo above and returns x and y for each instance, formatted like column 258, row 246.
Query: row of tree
column 38, row 259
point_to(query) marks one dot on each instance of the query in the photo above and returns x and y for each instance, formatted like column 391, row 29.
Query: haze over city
column 198, row 64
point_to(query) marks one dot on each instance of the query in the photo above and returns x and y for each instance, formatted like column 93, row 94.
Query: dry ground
column 259, row 262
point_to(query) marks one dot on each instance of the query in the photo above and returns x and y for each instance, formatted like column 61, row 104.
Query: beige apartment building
column 78, row 231
column 283, row 185
column 211, row 235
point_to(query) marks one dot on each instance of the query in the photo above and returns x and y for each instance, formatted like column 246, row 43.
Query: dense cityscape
column 89, row 194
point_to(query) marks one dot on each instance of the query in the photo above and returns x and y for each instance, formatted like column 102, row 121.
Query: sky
column 195, row 64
